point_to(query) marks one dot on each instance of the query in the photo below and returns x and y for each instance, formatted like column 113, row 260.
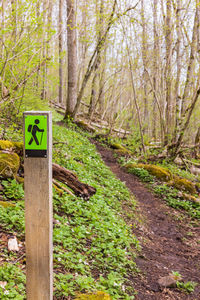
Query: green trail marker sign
column 35, row 129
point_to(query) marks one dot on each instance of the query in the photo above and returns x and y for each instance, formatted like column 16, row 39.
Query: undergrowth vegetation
column 142, row 174
column 172, row 198
column 169, row 194
column 94, row 248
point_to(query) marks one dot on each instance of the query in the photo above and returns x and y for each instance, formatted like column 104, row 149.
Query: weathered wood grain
column 39, row 222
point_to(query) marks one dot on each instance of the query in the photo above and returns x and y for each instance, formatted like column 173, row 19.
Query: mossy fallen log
column 82, row 124
column 183, row 184
column 165, row 175
column 116, row 146
column 71, row 180
column 120, row 149
column 123, row 152
column 157, row 171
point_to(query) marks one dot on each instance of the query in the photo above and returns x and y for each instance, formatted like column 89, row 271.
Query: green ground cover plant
column 12, row 189
column 187, row 287
column 142, row 174
column 172, row 198
column 94, row 249
column 12, row 218
column 15, row 282
column 169, row 194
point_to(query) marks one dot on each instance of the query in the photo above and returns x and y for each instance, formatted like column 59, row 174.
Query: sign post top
column 39, row 112
column 36, row 133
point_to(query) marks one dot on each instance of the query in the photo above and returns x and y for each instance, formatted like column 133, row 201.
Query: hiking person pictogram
column 34, row 129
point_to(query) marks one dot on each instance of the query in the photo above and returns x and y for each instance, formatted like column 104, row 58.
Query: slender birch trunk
column 168, row 79
column 94, row 90
column 14, row 7
column 2, row 24
column 83, row 46
column 178, row 65
column 101, row 96
column 48, row 45
column 72, row 58
column 191, row 66
column 44, row 51
column 156, row 57
column 37, row 12
column 144, row 78
column 60, row 42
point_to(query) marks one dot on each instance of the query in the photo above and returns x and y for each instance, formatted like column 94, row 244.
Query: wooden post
column 38, row 205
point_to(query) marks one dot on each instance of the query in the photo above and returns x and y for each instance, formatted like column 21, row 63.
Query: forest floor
column 168, row 242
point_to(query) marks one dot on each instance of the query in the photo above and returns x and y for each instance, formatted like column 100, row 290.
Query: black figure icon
column 34, row 129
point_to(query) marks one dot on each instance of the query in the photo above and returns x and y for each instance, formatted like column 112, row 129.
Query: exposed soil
column 167, row 244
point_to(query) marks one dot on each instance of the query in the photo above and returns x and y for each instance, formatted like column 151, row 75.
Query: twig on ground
column 62, row 187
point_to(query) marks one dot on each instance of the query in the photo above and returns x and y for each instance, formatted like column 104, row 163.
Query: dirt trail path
column 167, row 245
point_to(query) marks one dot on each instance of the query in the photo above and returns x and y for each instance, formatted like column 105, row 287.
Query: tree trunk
column 14, row 7
column 168, row 79
column 191, row 66
column 44, row 52
column 37, row 13
column 198, row 26
column 48, row 45
column 93, row 96
column 178, row 64
column 101, row 96
column 99, row 30
column 2, row 26
column 196, row 143
column 156, row 56
column 72, row 58
column 60, row 41
column 83, row 47
column 175, row 148
column 144, row 77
